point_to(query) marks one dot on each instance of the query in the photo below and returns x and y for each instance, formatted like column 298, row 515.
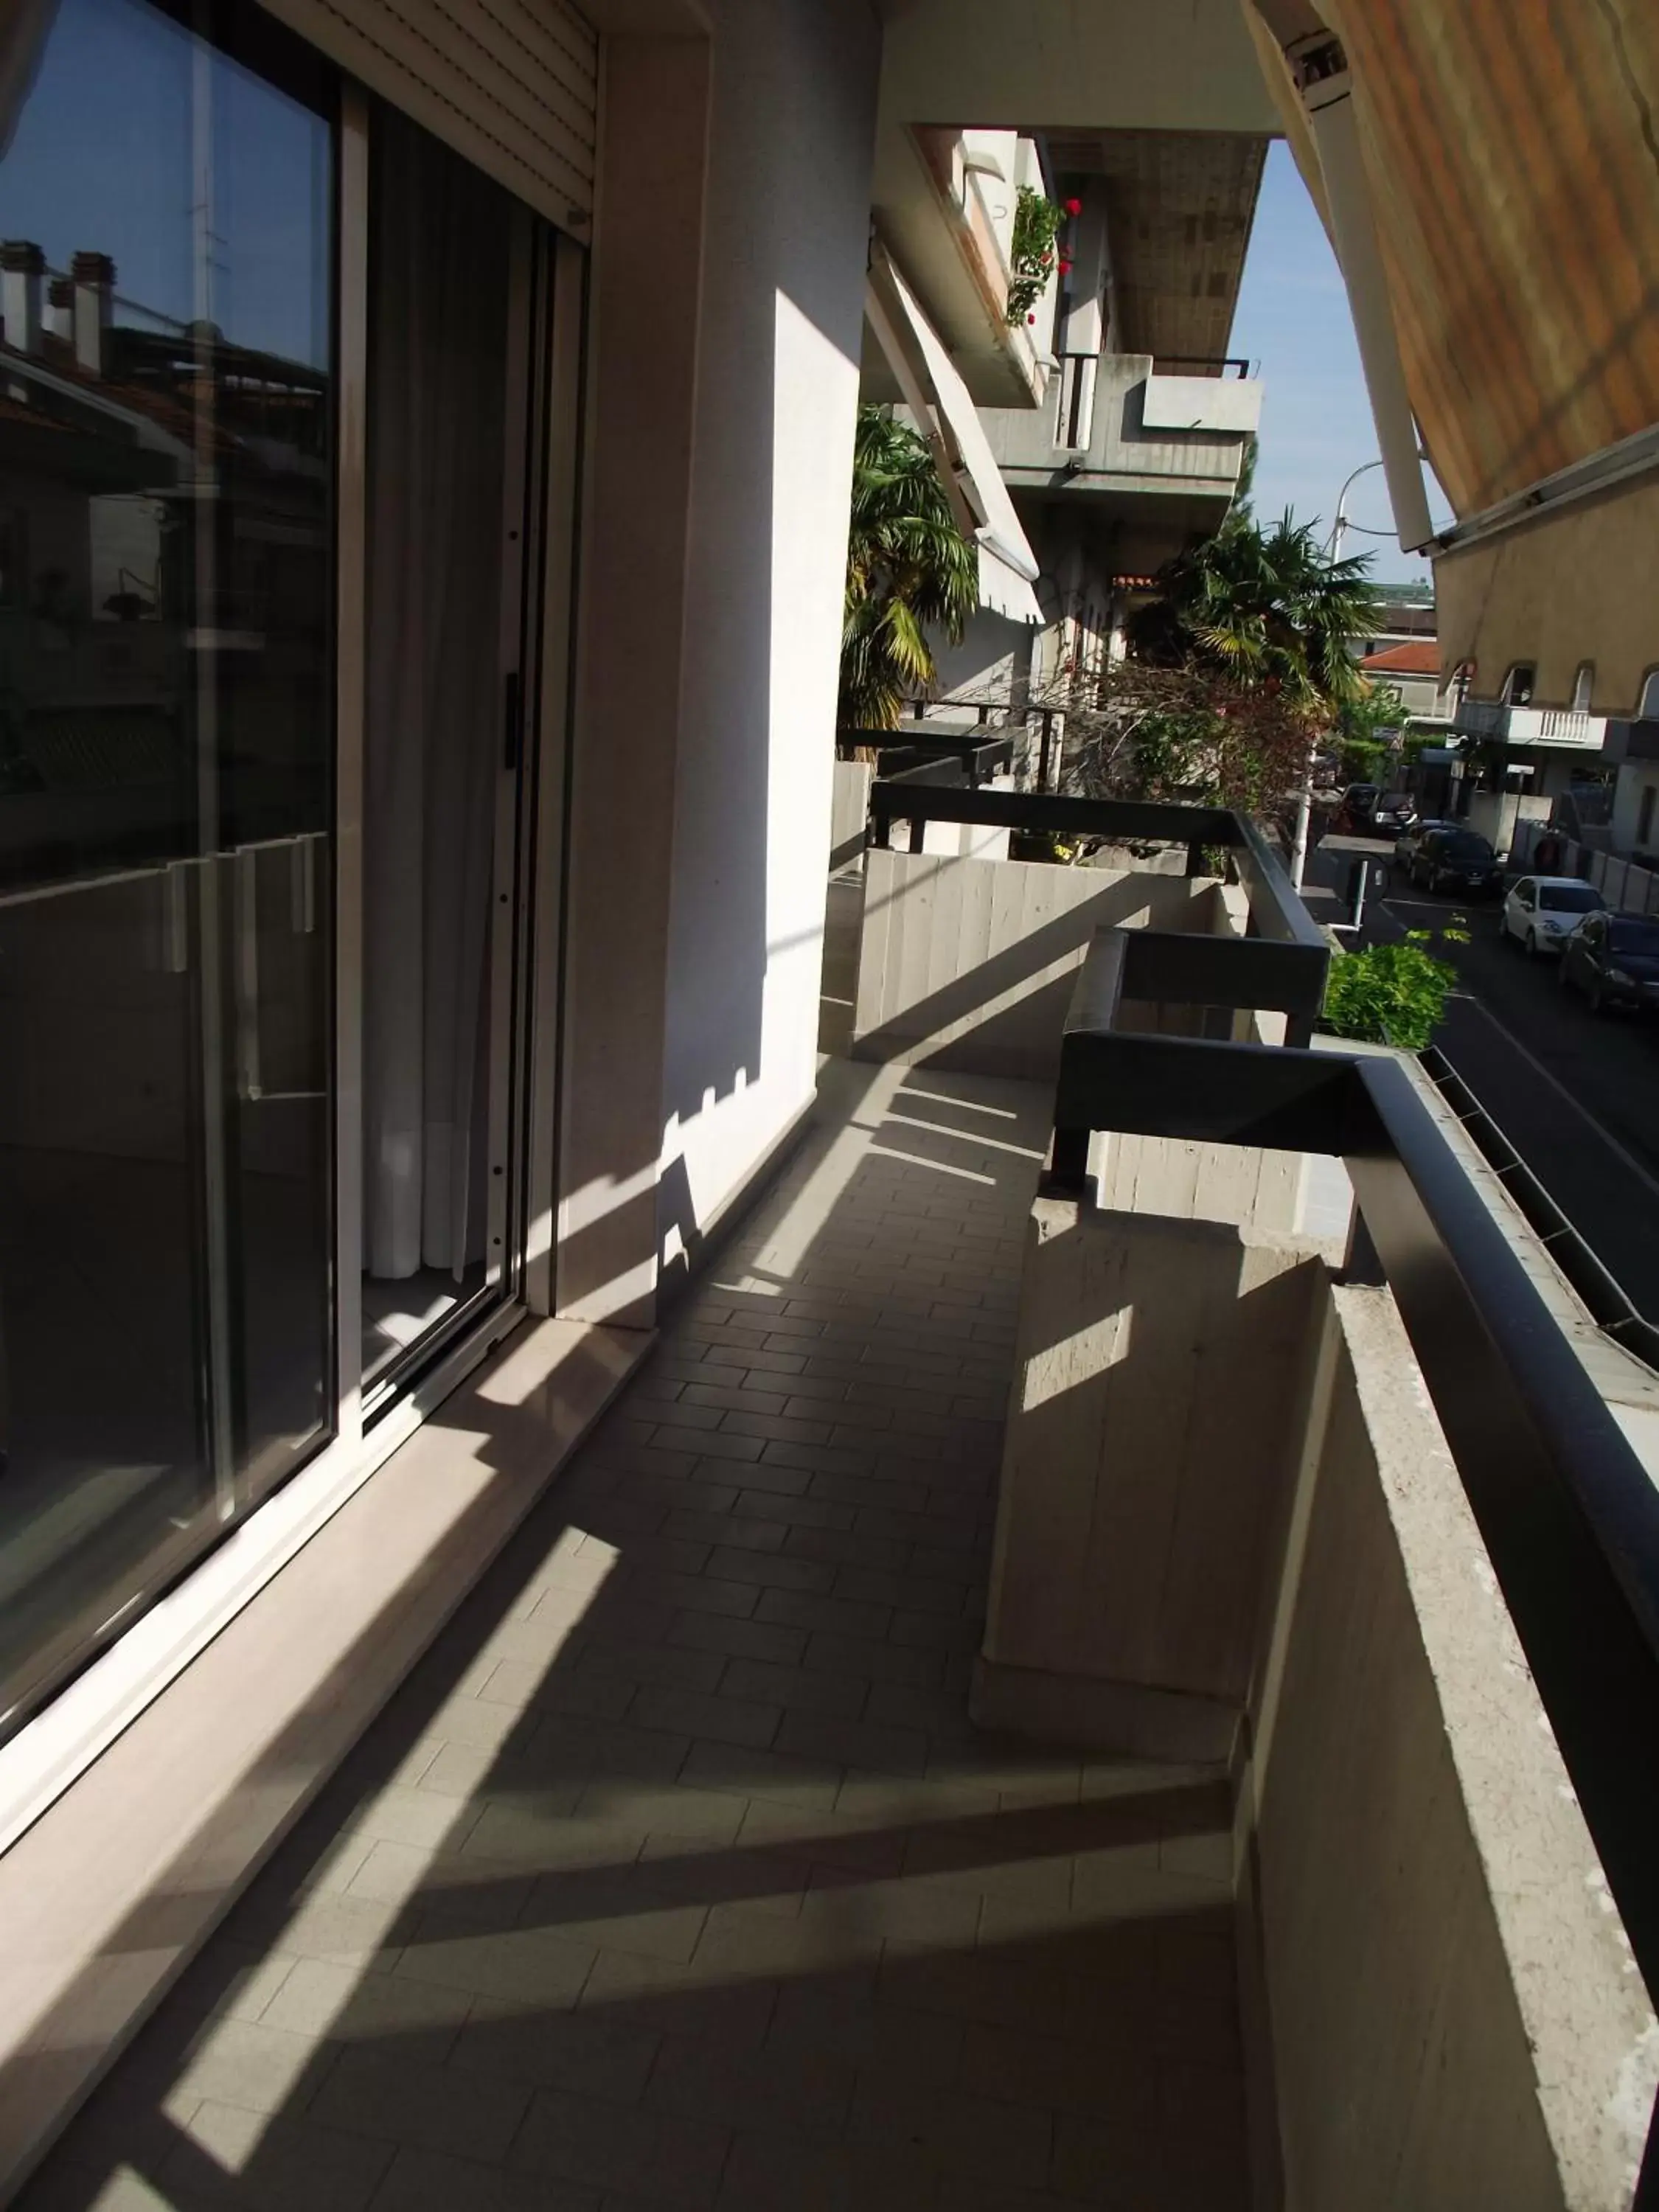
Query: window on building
column 1581, row 684
column 1645, row 818
column 1517, row 684
column 1647, row 708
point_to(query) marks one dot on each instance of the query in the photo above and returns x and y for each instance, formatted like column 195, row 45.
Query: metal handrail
column 1609, row 1304
column 1569, row 1515
column 914, row 736
column 978, row 754
column 1222, row 361
column 1277, row 914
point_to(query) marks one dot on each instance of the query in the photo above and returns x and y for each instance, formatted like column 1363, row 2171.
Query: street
column 1575, row 1093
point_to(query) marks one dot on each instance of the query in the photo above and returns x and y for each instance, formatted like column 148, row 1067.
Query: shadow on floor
column 675, row 1874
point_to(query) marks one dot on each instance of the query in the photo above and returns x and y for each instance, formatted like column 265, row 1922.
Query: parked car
column 1455, row 860
column 1353, row 816
column 1405, row 844
column 1394, row 813
column 1614, row 959
column 1542, row 912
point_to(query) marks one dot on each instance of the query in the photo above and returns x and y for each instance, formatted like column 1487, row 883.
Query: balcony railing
column 1287, row 953
column 1135, row 417
column 1567, row 1511
column 1531, row 725
column 967, row 757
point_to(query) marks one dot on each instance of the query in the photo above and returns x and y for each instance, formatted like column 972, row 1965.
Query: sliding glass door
column 166, row 684
column 269, row 799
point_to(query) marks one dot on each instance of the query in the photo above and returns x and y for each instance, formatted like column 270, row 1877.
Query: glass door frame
column 79, row 1721
column 542, row 491
column 540, row 398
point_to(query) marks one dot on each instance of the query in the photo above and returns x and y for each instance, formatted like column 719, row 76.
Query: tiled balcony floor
column 676, row 1876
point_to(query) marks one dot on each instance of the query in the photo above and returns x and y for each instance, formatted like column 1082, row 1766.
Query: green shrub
column 1391, row 994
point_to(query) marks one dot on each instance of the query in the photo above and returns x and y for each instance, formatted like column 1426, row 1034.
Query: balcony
column 1561, row 727
column 945, row 206
column 1164, row 445
column 1032, row 1693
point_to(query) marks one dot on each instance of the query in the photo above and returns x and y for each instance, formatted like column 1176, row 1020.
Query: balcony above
column 1182, row 405
column 949, row 219
column 1558, row 728
column 1164, row 445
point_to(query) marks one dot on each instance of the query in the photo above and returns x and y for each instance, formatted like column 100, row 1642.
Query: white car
column 1542, row 912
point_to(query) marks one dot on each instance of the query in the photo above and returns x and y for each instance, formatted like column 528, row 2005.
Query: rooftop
column 1410, row 659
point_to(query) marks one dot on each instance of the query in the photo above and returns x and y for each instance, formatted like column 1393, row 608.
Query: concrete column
column 642, row 349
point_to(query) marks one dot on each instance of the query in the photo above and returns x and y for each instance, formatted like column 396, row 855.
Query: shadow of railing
column 675, row 1874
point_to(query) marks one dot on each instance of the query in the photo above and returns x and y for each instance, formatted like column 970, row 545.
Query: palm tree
column 908, row 570
column 1268, row 606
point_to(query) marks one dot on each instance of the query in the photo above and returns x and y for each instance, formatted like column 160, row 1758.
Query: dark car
column 1614, row 959
column 1455, row 859
column 1394, row 813
column 1353, row 816
column 1405, row 844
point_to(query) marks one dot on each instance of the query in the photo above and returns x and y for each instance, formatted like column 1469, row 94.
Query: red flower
column 1074, row 207
column 1064, row 263
column 1030, row 319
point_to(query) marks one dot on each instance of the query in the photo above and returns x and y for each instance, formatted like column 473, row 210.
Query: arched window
column 1517, row 684
column 1582, row 683
column 1648, row 709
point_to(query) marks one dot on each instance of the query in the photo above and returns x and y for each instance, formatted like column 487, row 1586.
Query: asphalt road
column 1575, row 1093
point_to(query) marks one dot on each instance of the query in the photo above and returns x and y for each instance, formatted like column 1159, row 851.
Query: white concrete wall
column 997, row 194
column 849, row 813
column 1202, row 403
column 1453, row 2016
column 983, row 668
column 1224, row 1494
column 1148, row 1458
column 791, row 128
column 1497, row 816
column 970, row 962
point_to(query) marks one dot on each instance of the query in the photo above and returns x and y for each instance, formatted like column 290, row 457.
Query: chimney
column 94, row 282
column 60, row 309
column 22, row 265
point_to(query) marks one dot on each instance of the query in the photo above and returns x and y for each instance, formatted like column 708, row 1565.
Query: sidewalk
column 675, row 1876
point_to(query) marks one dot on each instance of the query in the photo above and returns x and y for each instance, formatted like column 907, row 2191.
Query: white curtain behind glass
column 437, row 367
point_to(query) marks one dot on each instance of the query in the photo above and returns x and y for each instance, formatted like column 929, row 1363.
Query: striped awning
column 1509, row 146
column 1510, row 171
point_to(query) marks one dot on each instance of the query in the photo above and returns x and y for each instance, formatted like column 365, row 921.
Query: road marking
column 1467, row 998
column 1557, row 1085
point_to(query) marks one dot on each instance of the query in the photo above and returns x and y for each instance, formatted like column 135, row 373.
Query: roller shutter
column 512, row 85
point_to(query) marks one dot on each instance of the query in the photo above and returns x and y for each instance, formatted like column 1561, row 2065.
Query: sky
column 109, row 156
column 1293, row 321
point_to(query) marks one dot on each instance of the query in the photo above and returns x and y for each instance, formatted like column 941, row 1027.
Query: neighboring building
column 1633, row 753
column 1399, row 622
column 1130, row 439
column 1413, row 669
column 1541, row 753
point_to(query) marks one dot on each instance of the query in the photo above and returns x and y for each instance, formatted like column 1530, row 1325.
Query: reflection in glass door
column 167, row 408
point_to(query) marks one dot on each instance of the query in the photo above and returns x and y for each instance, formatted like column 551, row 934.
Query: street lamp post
column 1304, row 797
